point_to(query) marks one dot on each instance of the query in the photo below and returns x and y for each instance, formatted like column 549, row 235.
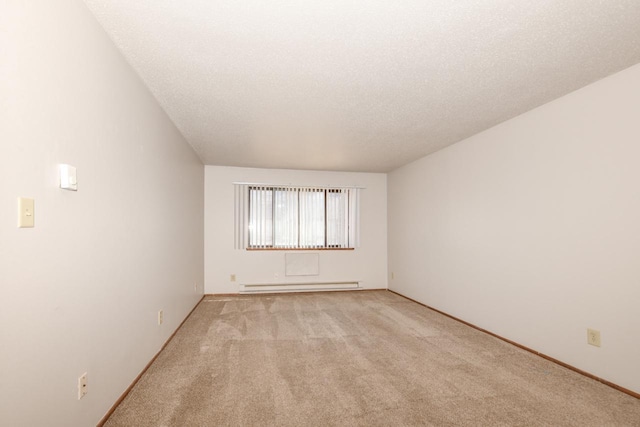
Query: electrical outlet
column 82, row 386
column 195, row 286
column 233, row 278
column 392, row 275
column 593, row 337
column 160, row 317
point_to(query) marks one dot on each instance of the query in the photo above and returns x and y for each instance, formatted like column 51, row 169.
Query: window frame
column 349, row 246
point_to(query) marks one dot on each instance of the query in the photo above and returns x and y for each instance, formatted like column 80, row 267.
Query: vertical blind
column 286, row 217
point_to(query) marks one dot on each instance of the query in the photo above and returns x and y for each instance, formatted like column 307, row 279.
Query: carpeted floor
column 355, row 359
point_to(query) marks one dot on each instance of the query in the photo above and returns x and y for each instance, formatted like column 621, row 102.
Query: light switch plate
column 68, row 178
column 26, row 212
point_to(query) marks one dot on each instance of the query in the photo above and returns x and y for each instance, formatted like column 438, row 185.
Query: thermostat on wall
column 68, row 179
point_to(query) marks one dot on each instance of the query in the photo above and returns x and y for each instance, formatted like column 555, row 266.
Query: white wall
column 531, row 229
column 366, row 263
column 80, row 291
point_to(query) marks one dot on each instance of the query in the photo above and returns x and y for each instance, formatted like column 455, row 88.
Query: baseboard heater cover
column 252, row 288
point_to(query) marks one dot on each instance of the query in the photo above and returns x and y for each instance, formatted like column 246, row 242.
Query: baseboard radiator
column 255, row 288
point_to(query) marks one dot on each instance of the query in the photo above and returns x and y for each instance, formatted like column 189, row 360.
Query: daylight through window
column 274, row 217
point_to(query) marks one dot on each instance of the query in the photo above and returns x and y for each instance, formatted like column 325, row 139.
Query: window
column 279, row 217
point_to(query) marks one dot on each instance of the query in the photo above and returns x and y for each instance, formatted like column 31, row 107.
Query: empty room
column 326, row 213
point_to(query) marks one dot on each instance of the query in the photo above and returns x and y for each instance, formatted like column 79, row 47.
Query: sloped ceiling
column 360, row 85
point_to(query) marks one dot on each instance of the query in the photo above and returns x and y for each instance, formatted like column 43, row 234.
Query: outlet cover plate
column 82, row 386
column 593, row 337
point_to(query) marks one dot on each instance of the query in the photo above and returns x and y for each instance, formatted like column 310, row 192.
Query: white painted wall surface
column 80, row 291
column 366, row 263
column 532, row 228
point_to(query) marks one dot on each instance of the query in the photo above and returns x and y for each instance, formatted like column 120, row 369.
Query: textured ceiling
column 360, row 85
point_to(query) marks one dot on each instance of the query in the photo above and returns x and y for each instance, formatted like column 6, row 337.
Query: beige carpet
column 355, row 359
